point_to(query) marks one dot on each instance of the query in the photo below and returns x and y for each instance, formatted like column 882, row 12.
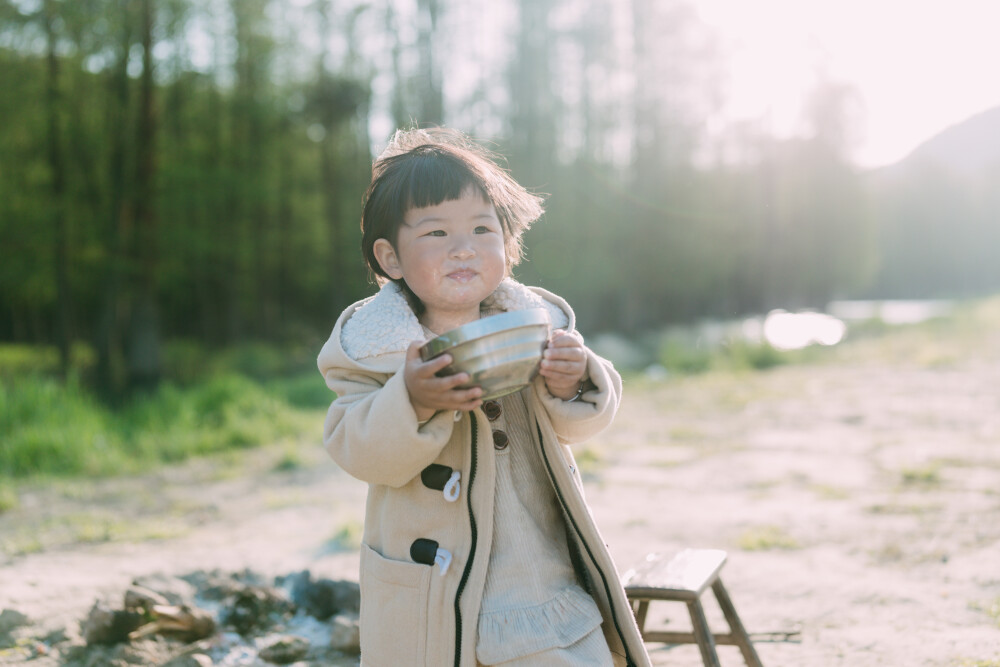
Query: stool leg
column 639, row 608
column 735, row 626
column 702, row 634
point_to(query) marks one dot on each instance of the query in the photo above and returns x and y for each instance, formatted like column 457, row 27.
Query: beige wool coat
column 422, row 613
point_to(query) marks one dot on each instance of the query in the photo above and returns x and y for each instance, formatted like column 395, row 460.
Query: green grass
column 8, row 499
column 18, row 360
column 347, row 537
column 926, row 476
column 991, row 609
column 51, row 428
column 767, row 538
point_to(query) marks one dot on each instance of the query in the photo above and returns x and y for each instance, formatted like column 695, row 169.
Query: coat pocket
column 394, row 613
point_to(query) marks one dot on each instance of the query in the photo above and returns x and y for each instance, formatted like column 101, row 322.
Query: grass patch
column 589, row 460
column 685, row 433
column 927, row 476
column 8, row 497
column 347, row 538
column 991, row 609
column 681, row 356
column 767, row 538
column 58, row 429
column 283, row 500
column 88, row 528
column 22, row 543
column 17, row 360
column 901, row 509
column 290, row 460
column 829, row 492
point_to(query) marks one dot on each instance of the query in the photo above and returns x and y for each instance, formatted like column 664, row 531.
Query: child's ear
column 387, row 258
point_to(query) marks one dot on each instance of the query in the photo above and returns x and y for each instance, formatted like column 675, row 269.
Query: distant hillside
column 938, row 215
column 967, row 149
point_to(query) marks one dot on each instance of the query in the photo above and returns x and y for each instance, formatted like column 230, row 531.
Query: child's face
column 451, row 255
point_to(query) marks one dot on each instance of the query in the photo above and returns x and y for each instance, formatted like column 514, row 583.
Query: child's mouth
column 462, row 275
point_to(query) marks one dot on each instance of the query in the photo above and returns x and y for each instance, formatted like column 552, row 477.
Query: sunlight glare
column 794, row 331
column 918, row 67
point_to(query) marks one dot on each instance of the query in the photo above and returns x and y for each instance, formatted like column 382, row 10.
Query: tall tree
column 110, row 338
column 57, row 169
column 144, row 365
column 429, row 84
column 336, row 100
column 532, row 98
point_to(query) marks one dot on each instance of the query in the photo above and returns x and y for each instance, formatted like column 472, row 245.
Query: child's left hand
column 564, row 364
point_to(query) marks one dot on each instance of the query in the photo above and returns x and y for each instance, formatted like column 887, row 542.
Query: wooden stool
column 683, row 576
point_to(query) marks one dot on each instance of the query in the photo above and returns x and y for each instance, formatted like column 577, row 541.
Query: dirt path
column 859, row 502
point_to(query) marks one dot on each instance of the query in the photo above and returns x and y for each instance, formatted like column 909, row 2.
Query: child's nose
column 463, row 248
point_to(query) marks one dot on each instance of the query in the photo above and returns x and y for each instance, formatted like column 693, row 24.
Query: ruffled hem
column 511, row 634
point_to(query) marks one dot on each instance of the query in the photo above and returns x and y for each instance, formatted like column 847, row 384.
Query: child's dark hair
column 423, row 168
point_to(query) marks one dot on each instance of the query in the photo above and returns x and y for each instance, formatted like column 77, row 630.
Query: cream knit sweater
column 534, row 612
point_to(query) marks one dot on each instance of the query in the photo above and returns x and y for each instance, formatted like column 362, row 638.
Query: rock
column 256, row 608
column 139, row 597
column 174, row 589
column 345, row 634
column 57, row 635
column 10, row 620
column 192, row 660
column 148, row 652
column 324, row 598
column 144, row 653
column 284, row 649
column 188, row 624
column 105, row 625
column 218, row 586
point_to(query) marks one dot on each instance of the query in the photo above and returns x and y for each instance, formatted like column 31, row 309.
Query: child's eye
column 483, row 229
column 435, row 232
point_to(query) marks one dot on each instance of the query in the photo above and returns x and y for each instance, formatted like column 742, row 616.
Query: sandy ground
column 859, row 503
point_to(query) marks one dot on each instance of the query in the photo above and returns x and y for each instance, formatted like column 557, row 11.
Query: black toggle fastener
column 435, row 476
column 423, row 551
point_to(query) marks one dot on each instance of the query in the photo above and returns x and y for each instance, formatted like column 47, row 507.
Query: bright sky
column 920, row 66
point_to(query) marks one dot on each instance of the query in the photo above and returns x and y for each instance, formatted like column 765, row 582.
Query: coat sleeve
column 582, row 419
column 371, row 430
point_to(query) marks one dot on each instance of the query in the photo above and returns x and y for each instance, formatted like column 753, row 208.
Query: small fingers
column 563, row 338
column 564, row 354
column 552, row 367
column 448, row 382
column 431, row 367
column 564, row 360
column 465, row 400
column 468, row 399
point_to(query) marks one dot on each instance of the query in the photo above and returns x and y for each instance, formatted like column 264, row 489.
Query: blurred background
column 181, row 182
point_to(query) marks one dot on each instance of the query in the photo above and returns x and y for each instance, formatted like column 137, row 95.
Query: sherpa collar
column 385, row 323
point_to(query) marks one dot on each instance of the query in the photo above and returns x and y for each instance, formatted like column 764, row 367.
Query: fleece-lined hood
column 374, row 333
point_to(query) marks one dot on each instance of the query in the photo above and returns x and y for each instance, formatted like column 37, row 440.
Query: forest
column 173, row 170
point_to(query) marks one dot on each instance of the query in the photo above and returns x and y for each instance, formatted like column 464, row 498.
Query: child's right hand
column 429, row 393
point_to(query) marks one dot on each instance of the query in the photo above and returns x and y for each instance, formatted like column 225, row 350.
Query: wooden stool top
column 680, row 575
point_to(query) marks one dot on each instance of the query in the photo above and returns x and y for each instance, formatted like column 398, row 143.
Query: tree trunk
column 110, row 354
column 58, row 175
column 431, row 95
column 144, row 330
column 533, row 112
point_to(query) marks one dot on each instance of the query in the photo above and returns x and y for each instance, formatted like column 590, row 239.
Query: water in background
column 780, row 329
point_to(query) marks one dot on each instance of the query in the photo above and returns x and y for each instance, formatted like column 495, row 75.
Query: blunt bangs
column 432, row 177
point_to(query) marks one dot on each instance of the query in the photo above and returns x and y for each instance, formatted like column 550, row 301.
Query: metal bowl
column 501, row 353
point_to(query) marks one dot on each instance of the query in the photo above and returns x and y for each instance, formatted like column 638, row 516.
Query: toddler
column 478, row 546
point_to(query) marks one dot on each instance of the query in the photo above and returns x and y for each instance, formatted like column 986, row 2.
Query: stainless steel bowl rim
column 483, row 327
